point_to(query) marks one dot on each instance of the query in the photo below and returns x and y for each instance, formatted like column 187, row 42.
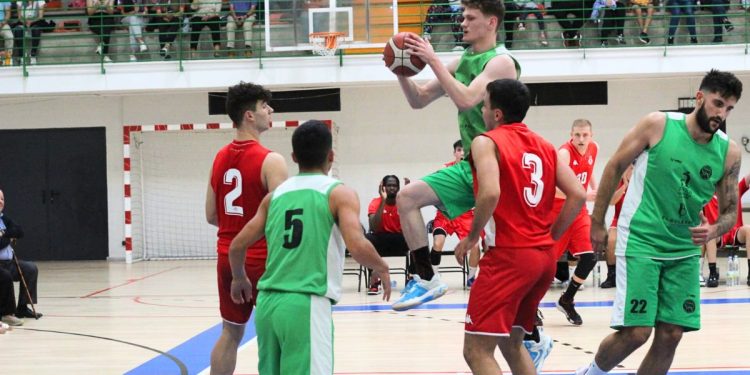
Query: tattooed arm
column 726, row 191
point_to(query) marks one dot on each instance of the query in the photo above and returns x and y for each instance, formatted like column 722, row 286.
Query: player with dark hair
column 516, row 175
column 304, row 221
column 680, row 161
column 243, row 172
column 464, row 81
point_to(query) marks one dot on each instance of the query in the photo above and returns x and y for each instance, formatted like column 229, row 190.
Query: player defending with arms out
column 464, row 80
column 516, row 175
column 304, row 221
column 680, row 160
column 580, row 155
column 243, row 173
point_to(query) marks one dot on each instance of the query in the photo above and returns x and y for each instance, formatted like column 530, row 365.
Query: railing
column 159, row 31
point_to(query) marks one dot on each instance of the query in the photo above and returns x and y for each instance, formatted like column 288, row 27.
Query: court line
column 130, row 281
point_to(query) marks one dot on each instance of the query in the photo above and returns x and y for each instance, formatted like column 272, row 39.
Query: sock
column 712, row 268
column 533, row 336
column 611, row 269
column 473, row 270
column 595, row 370
column 421, row 259
column 435, row 257
column 571, row 291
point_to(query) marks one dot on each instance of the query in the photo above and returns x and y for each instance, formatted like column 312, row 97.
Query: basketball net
column 325, row 43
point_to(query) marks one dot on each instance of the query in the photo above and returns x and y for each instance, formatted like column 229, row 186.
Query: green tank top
column 305, row 248
column 670, row 185
column 470, row 121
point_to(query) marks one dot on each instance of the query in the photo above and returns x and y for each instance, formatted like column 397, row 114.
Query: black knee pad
column 562, row 273
column 435, row 257
column 586, row 263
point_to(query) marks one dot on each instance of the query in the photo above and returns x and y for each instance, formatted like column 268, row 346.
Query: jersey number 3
column 233, row 177
column 533, row 194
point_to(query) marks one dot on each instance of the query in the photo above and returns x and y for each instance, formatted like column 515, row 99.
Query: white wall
column 379, row 133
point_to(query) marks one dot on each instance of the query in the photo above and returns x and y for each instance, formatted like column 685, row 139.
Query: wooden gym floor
column 161, row 317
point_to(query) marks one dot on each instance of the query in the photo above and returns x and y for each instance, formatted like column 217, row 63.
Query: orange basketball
column 398, row 59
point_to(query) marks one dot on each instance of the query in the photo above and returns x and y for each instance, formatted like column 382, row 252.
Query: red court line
column 131, row 281
column 138, row 300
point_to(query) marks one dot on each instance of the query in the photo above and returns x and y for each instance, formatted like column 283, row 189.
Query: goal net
column 169, row 171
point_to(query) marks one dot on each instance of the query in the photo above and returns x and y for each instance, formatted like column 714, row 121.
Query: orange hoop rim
column 325, row 43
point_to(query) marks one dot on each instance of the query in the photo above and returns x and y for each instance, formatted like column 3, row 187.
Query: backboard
column 365, row 23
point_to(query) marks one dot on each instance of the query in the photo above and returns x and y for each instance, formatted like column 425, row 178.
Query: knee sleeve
column 585, row 265
column 562, row 273
column 435, row 257
column 439, row 232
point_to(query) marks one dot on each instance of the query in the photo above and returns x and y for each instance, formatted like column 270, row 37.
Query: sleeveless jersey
column 582, row 164
column 527, row 187
column 618, row 204
column 470, row 121
column 671, row 183
column 238, row 186
column 305, row 248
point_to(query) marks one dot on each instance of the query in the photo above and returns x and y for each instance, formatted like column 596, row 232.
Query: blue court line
column 195, row 353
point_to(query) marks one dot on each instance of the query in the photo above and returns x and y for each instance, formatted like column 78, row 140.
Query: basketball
column 398, row 59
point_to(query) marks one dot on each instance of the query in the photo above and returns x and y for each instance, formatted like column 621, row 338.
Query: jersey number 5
column 233, row 177
column 293, row 228
column 533, row 194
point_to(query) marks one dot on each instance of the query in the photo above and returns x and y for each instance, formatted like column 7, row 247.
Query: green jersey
column 470, row 121
column 671, row 183
column 305, row 248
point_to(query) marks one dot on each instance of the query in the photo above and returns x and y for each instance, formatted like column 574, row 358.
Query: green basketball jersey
column 670, row 185
column 470, row 121
column 305, row 248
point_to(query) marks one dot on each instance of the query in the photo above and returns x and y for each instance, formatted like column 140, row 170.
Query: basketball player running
column 516, row 172
column 580, row 154
column 304, row 221
column 464, row 80
column 680, row 160
column 243, row 173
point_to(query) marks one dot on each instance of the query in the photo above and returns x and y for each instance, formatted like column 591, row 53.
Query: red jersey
column 527, row 187
column 618, row 205
column 711, row 210
column 238, row 186
column 582, row 164
column 742, row 188
column 390, row 222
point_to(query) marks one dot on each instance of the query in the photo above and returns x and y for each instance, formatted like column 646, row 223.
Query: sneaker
column 26, row 312
column 98, row 50
column 670, row 40
column 143, row 47
column 470, row 281
column 374, row 290
column 163, row 52
column 12, row 320
column 748, row 279
column 605, row 44
column 583, row 370
column 4, row 328
column 568, row 308
column 539, row 351
column 32, row 60
column 132, row 58
column 539, row 321
column 621, row 39
column 702, row 280
column 609, row 282
column 248, row 53
column 521, row 26
column 419, row 291
column 693, row 40
column 713, row 280
column 728, row 26
column 643, row 38
column 717, row 39
column 107, row 59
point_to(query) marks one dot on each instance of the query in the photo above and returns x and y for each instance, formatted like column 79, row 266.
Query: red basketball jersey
column 390, row 221
column 582, row 164
column 711, row 210
column 527, row 187
column 237, row 182
column 618, row 205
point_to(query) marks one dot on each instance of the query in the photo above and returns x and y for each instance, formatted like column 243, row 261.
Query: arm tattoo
column 728, row 204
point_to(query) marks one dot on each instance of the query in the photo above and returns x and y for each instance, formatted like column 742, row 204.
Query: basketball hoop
column 325, row 43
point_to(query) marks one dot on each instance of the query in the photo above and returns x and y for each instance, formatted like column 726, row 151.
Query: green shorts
column 454, row 186
column 657, row 290
column 295, row 333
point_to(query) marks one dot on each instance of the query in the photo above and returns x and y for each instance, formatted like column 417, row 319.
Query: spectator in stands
column 242, row 15
column 6, row 34
column 613, row 20
column 679, row 9
column 720, row 20
column 570, row 26
column 447, row 12
column 132, row 15
column 31, row 18
column 101, row 23
column 643, row 23
column 530, row 7
column 206, row 14
column 510, row 20
column 165, row 18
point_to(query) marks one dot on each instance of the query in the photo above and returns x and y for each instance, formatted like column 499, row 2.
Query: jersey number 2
column 233, row 176
column 533, row 194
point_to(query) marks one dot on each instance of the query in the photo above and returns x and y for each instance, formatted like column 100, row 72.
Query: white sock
column 472, row 272
column 595, row 370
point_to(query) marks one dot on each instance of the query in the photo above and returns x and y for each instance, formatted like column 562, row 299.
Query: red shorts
column 730, row 238
column 508, row 290
column 230, row 311
column 461, row 225
column 577, row 239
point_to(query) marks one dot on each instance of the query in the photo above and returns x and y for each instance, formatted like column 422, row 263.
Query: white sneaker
column 539, row 351
column 701, row 280
column 32, row 61
column 98, row 50
column 582, row 371
column 107, row 59
column 132, row 58
column 144, row 47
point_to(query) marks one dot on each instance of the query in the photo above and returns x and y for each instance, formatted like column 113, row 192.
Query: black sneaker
column 568, row 308
column 728, row 26
column 717, row 39
column 670, row 40
column 713, row 280
column 621, row 39
column 609, row 282
column 693, row 40
column 643, row 37
column 26, row 312
column 539, row 321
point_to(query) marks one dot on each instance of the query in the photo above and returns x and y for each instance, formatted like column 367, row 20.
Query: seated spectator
column 10, row 230
column 241, row 14
column 206, row 14
column 720, row 21
column 509, row 21
column 6, row 34
column 613, row 17
column 679, row 9
column 101, row 23
column 529, row 7
column 132, row 15
column 31, row 18
column 570, row 14
column 385, row 225
column 165, row 18
column 8, row 300
column 643, row 23
column 448, row 12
